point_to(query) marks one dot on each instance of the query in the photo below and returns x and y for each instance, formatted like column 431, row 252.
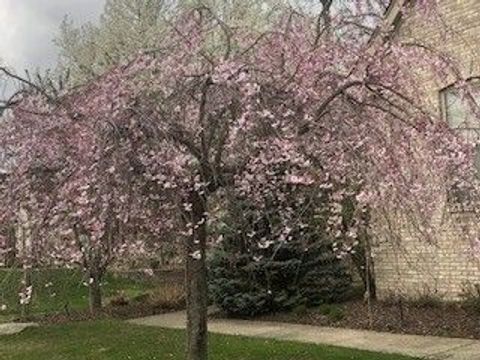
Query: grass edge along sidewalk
column 109, row 340
column 431, row 347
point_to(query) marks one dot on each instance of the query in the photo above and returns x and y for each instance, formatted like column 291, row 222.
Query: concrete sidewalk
column 428, row 347
column 14, row 328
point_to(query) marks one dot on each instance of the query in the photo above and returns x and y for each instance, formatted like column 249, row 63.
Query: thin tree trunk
column 25, row 238
column 196, row 281
column 95, row 291
column 26, row 284
column 368, row 283
column 11, row 255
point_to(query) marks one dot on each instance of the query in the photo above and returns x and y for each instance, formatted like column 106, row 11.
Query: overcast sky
column 27, row 28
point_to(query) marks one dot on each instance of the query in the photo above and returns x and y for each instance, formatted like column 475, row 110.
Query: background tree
column 263, row 265
column 125, row 27
column 128, row 27
column 82, row 209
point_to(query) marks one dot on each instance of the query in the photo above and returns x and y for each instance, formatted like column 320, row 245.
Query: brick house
column 412, row 268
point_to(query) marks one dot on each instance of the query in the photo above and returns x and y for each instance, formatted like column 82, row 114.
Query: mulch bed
column 451, row 320
column 109, row 312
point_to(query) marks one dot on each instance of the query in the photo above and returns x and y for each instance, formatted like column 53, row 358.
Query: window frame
column 459, row 201
column 443, row 102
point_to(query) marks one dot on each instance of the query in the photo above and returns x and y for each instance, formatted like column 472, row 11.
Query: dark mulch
column 125, row 312
column 451, row 320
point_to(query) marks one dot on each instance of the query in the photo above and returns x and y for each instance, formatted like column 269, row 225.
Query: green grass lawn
column 54, row 290
column 115, row 340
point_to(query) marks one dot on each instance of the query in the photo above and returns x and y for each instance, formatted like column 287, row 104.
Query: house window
column 461, row 110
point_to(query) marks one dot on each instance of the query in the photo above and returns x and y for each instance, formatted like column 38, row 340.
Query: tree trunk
column 26, row 284
column 95, row 291
column 362, row 260
column 196, row 280
column 370, row 290
column 11, row 255
column 369, row 277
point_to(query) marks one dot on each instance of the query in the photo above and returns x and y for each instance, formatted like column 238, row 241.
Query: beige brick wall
column 409, row 266
column 412, row 267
